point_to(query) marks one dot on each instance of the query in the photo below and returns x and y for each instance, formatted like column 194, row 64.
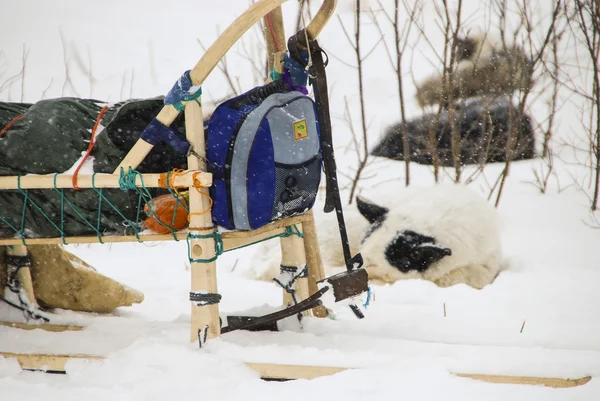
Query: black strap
column 318, row 80
column 294, row 47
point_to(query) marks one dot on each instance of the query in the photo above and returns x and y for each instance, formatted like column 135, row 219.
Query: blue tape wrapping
column 157, row 131
column 182, row 90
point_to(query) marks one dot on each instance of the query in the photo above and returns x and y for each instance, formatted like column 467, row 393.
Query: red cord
column 272, row 29
column 14, row 120
column 90, row 147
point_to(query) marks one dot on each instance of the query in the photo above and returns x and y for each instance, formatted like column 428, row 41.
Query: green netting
column 49, row 138
column 127, row 182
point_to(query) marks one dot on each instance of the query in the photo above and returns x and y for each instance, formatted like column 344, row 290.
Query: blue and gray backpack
column 264, row 153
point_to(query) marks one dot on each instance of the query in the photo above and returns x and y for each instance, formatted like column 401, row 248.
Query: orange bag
column 164, row 209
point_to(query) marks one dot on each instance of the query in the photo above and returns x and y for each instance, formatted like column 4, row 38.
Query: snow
column 540, row 317
column 86, row 168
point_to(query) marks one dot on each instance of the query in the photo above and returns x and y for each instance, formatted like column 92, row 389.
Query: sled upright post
column 204, row 274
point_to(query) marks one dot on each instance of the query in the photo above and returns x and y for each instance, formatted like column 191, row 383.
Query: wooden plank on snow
column 57, row 328
column 58, row 362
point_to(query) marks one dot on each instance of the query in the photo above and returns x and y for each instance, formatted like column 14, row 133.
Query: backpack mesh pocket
column 296, row 187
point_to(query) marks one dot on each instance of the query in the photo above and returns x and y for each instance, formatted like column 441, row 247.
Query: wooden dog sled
column 297, row 250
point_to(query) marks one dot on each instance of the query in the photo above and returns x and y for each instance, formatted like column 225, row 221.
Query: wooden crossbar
column 231, row 240
column 58, row 363
column 49, row 181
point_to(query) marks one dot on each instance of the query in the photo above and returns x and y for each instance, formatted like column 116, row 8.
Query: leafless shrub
column 45, row 91
column 401, row 36
column 585, row 25
column 525, row 60
column 68, row 84
column 363, row 155
column 23, row 63
column 86, row 68
column 525, row 30
column 450, row 42
column 254, row 49
column 6, row 85
column 552, row 67
column 449, row 22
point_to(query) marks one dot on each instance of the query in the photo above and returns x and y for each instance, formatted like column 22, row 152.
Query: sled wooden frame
column 296, row 251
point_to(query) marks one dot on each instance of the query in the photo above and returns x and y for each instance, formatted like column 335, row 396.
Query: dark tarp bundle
column 483, row 125
column 50, row 137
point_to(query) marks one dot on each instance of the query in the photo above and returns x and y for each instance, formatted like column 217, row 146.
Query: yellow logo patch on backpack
column 300, row 130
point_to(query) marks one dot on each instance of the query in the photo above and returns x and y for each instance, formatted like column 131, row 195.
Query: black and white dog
column 445, row 234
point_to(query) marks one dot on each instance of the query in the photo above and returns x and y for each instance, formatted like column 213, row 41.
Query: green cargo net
column 127, row 182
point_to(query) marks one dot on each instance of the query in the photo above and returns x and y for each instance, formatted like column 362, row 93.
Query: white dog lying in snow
column 446, row 234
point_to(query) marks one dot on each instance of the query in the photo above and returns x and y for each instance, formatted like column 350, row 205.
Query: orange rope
column 162, row 182
column 14, row 120
column 204, row 211
column 199, row 187
column 90, row 147
column 164, row 177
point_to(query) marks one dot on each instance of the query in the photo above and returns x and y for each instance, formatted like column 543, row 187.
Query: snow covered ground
column 539, row 318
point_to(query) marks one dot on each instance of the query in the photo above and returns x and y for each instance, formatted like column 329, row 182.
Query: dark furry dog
column 484, row 130
column 484, row 67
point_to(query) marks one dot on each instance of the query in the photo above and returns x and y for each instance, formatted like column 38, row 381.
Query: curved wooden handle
column 321, row 19
column 234, row 32
column 220, row 47
column 216, row 52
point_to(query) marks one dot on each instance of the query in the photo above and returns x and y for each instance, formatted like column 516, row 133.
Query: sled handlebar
column 216, row 52
column 234, row 32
